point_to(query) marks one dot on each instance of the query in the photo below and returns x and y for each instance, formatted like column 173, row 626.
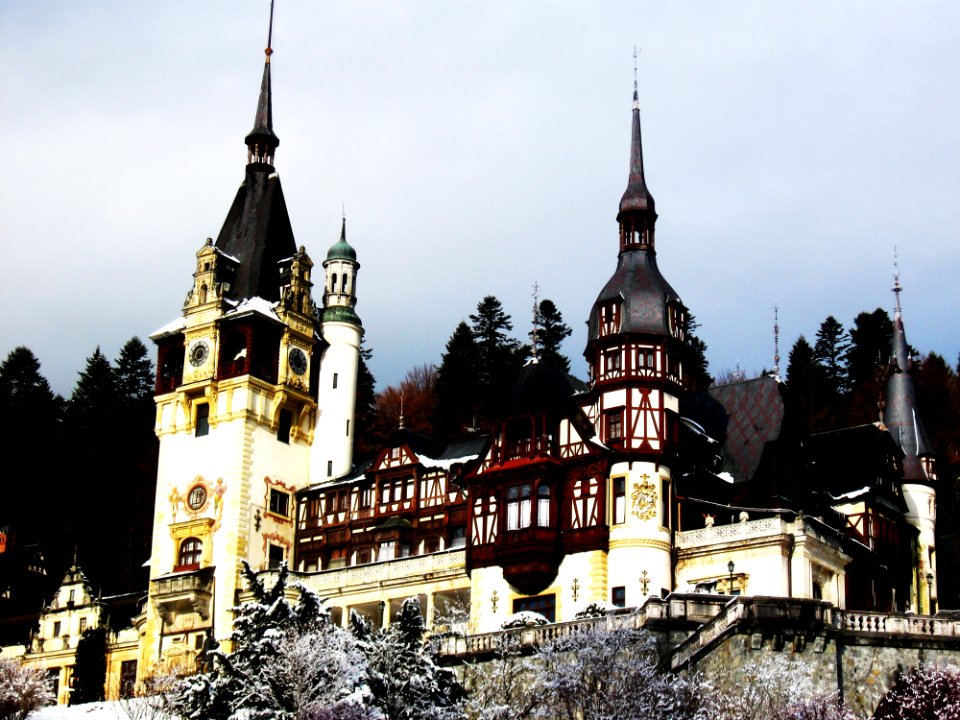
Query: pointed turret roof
column 257, row 232
column 262, row 134
column 637, row 282
column 900, row 412
column 341, row 250
column 637, row 197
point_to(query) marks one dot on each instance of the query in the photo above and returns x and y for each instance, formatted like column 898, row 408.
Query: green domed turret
column 342, row 250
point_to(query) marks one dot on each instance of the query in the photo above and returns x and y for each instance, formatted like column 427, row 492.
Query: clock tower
column 238, row 380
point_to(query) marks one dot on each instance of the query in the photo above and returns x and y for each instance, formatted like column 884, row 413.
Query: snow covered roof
column 171, row 328
column 852, row 495
column 254, row 306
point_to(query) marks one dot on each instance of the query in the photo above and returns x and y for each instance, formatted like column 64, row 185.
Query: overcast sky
column 478, row 148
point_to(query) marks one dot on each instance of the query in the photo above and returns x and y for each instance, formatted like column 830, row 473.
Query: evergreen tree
column 90, row 670
column 549, row 332
column 91, row 410
column 134, row 374
column 830, row 350
column 867, row 361
column 365, row 415
column 95, row 435
column 288, row 661
column 808, row 385
column 30, row 416
column 458, row 385
column 405, row 682
column 136, row 448
column 697, row 368
column 499, row 355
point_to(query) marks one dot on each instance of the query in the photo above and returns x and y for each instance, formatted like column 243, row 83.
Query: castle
column 625, row 487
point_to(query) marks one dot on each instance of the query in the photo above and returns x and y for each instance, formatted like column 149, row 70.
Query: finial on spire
column 897, row 289
column 401, row 408
column 262, row 142
column 636, row 94
column 535, row 332
column 269, row 50
column 776, row 341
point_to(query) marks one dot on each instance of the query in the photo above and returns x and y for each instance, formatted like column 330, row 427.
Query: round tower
column 903, row 422
column 634, row 349
column 331, row 455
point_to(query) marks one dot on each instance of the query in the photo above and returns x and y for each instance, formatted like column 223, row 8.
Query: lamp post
column 930, row 593
column 730, row 567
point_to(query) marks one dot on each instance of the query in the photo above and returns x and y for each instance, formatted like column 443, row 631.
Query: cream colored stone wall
column 332, row 451
column 642, row 543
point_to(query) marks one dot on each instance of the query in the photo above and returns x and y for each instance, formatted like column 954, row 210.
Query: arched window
column 333, row 282
column 190, row 550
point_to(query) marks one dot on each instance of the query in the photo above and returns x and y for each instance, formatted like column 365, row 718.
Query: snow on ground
column 87, row 711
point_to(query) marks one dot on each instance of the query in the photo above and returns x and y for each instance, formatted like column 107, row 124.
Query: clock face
column 199, row 353
column 298, row 361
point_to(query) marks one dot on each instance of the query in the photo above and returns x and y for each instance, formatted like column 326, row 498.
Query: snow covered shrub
column 288, row 660
column 502, row 687
column 524, row 618
column 151, row 697
column 775, row 687
column 22, row 690
column 405, row 681
column 601, row 674
column 922, row 692
column 595, row 610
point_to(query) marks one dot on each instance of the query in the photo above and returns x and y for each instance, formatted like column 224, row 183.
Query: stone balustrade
column 732, row 532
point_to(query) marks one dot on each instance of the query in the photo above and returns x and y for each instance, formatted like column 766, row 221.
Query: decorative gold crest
column 643, row 498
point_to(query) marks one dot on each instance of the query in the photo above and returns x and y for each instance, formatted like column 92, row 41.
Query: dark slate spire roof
column 636, row 198
column 644, row 292
column 900, row 412
column 637, row 281
column 262, row 134
column 257, row 232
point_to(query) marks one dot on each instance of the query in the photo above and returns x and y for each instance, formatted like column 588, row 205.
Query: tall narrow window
column 336, row 377
column 283, row 428
column 665, row 502
column 614, row 422
column 518, row 506
column 543, row 506
column 619, row 500
column 202, row 426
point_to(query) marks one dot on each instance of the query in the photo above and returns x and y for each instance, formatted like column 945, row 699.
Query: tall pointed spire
column 636, row 198
column 262, row 142
column 900, row 412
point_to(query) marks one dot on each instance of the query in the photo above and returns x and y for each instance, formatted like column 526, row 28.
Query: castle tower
column 919, row 468
column 332, row 452
column 634, row 348
column 236, row 404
